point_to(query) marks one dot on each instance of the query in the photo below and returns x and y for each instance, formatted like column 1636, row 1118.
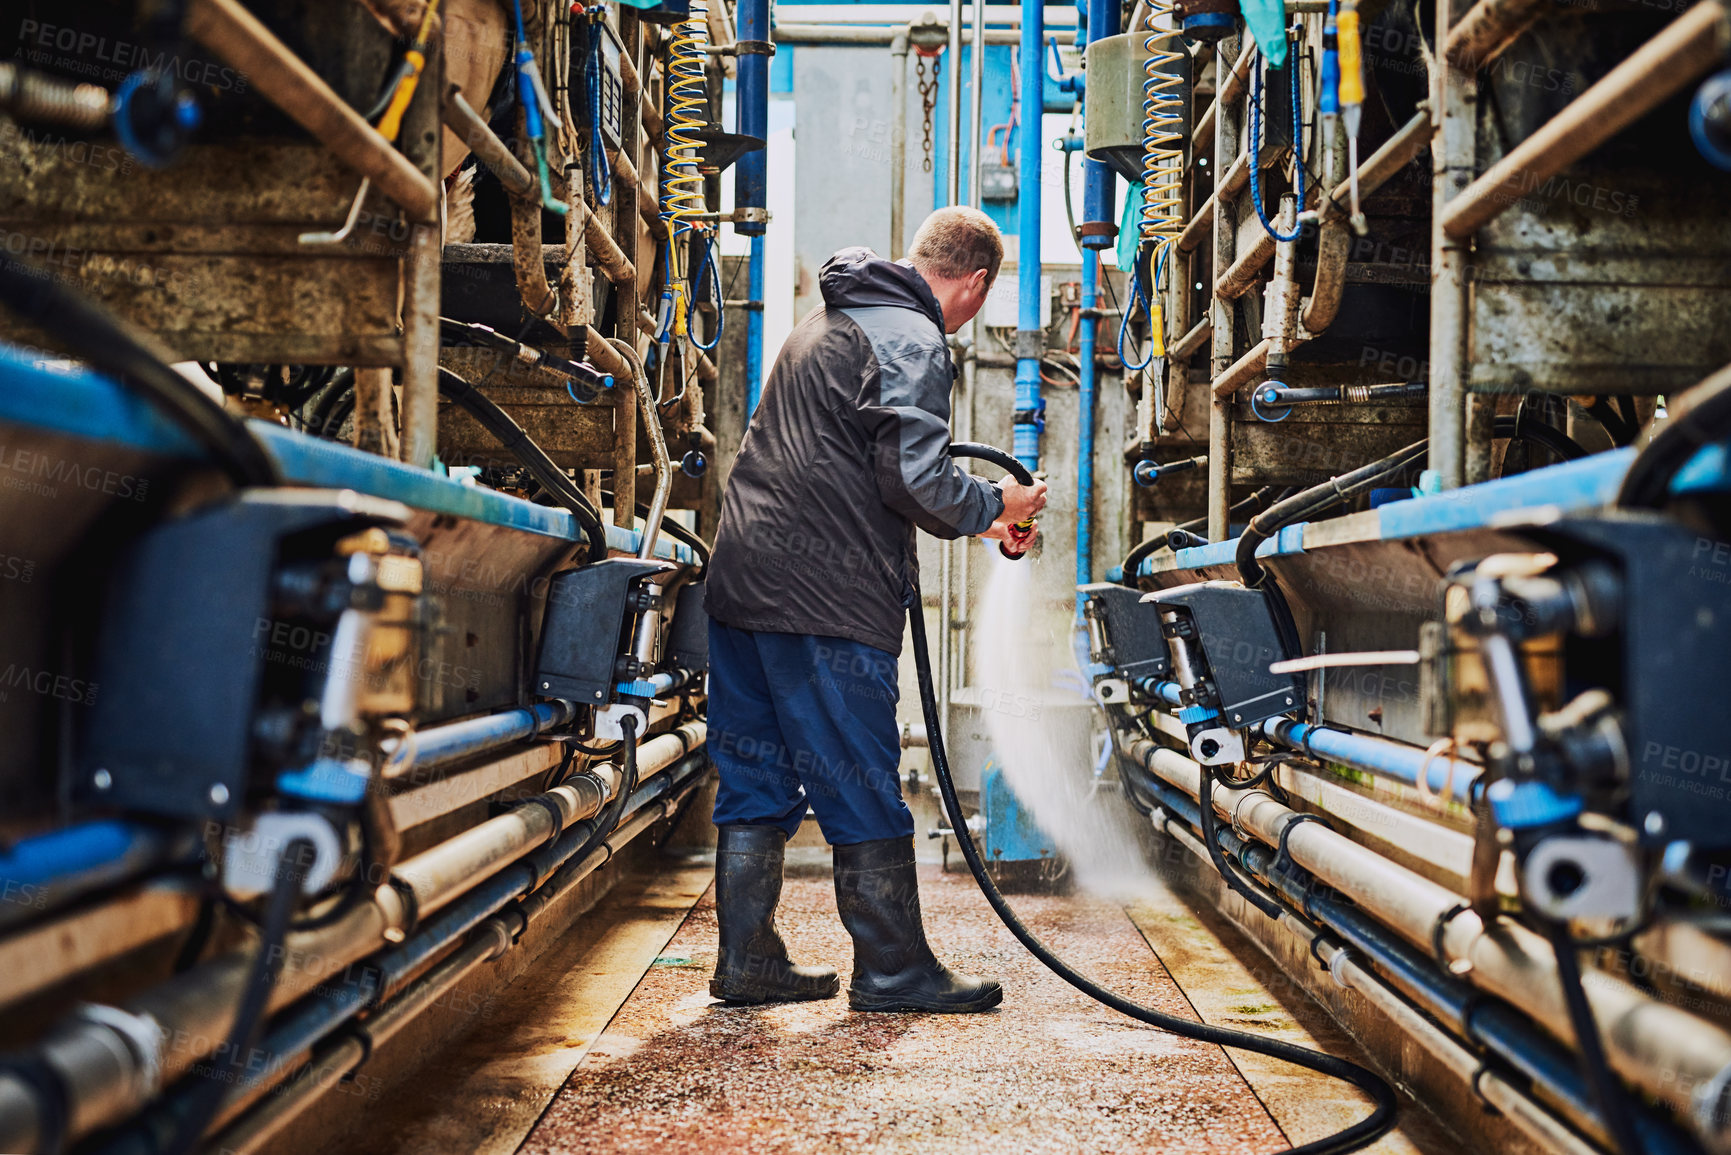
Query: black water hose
column 1361, row 1134
column 221, row 1076
column 532, row 457
column 1526, row 427
column 111, row 346
column 1697, row 418
column 1307, row 503
column 1015, row 469
column 994, row 455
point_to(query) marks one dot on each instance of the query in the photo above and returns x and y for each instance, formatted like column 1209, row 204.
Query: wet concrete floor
column 1049, row 1071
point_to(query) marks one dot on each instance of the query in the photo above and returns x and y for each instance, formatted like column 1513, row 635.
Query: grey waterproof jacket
column 844, row 457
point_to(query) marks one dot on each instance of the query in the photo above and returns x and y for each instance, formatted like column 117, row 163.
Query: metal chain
column 928, row 101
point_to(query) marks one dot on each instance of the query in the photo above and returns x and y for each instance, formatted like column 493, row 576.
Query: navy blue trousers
column 797, row 720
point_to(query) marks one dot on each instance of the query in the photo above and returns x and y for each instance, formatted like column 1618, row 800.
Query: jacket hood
column 858, row 278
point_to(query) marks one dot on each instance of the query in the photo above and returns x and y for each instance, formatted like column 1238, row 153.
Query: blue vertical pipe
column 1100, row 187
column 751, row 177
column 1099, row 19
column 1030, row 337
column 754, row 329
column 1085, row 425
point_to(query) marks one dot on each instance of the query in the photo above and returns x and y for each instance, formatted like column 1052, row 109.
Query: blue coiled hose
column 1130, row 310
column 710, row 263
column 593, row 77
column 1257, row 72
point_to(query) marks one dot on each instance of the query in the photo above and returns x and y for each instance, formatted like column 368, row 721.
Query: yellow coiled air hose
column 1162, row 151
column 681, row 183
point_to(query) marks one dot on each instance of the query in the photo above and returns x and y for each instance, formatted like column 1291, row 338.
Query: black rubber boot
column 753, row 966
column 877, row 892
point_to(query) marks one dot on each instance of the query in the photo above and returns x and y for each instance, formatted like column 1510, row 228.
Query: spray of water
column 1045, row 750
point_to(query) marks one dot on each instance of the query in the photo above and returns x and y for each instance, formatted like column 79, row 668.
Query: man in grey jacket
column 813, row 570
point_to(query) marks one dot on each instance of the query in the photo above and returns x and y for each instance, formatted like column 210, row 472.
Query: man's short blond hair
column 956, row 241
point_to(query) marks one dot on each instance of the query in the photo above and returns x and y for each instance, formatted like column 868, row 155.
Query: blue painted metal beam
column 85, row 405
column 1571, row 487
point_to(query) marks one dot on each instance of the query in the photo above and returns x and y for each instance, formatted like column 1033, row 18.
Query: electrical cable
column 112, row 347
column 1257, row 71
column 1124, row 324
column 1069, row 203
column 1610, row 1098
column 219, row 1077
column 521, row 446
column 607, row 822
column 1267, row 904
column 1358, row 1135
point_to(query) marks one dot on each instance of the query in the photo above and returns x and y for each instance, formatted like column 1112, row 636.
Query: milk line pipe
column 1489, row 1023
column 303, row 1026
column 1382, row 757
column 1501, row 1095
column 78, row 859
column 1402, row 973
column 1660, row 1049
column 1170, row 814
column 281, row 1108
column 109, row 1071
column 439, row 745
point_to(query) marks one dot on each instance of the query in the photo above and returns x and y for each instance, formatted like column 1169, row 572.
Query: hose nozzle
column 1022, row 534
